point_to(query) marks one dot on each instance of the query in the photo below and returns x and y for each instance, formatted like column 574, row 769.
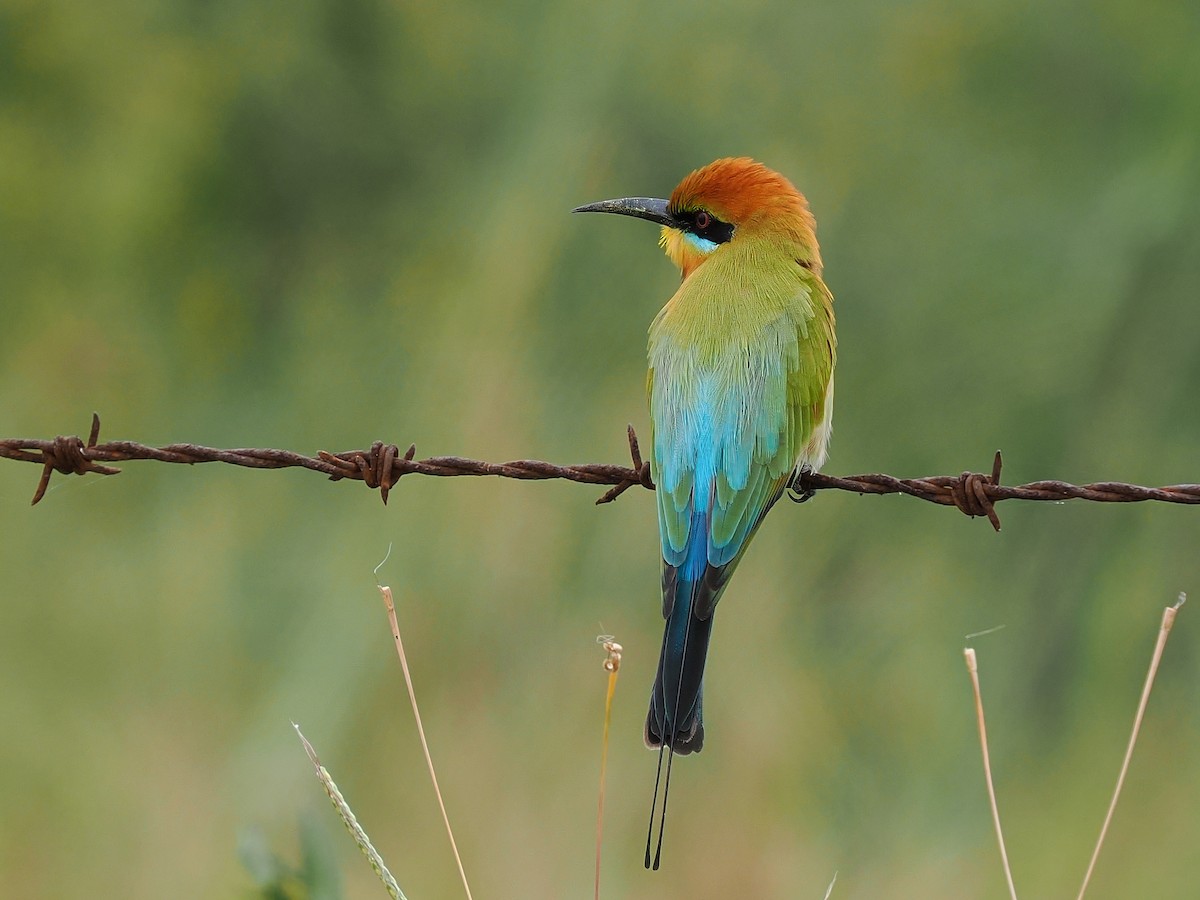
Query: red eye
column 703, row 220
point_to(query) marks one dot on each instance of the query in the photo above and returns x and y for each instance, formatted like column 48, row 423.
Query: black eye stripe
column 702, row 223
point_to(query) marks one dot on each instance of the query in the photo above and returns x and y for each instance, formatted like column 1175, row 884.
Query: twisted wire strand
column 382, row 465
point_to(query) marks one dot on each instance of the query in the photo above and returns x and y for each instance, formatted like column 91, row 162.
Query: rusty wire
column 382, row 465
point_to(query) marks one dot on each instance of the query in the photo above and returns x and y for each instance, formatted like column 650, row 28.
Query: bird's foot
column 797, row 493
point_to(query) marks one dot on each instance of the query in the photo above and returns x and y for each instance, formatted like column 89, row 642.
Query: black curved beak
column 648, row 208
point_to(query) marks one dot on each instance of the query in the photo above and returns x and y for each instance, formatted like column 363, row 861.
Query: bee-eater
column 741, row 396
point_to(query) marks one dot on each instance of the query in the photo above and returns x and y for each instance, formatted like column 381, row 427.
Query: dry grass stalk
column 386, row 592
column 1164, row 630
column 973, row 669
column 612, row 664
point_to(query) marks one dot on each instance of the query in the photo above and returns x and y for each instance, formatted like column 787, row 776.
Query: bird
column 740, row 389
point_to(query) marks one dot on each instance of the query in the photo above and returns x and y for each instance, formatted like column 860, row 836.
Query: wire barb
column 641, row 471
column 382, row 465
column 969, row 493
column 69, row 456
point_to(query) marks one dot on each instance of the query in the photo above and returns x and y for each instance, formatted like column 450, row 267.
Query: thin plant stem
column 612, row 664
column 829, row 890
column 973, row 669
column 351, row 823
column 412, row 697
column 1164, row 631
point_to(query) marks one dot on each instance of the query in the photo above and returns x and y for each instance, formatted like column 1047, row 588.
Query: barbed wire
column 382, row 465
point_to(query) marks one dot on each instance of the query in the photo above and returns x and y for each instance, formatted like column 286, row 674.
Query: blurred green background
column 310, row 225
